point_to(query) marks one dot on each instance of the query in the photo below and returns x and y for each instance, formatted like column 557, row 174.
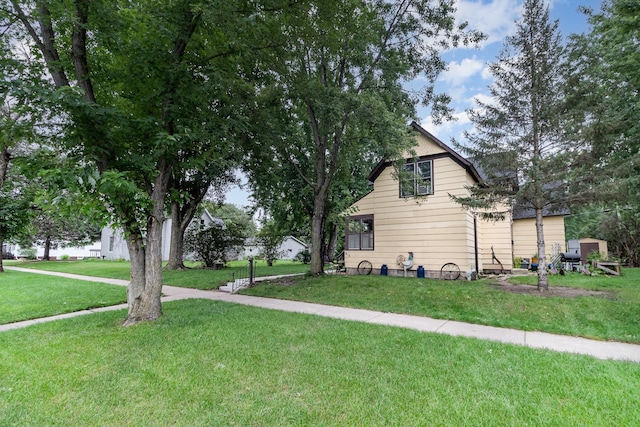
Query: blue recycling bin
column 420, row 272
column 384, row 270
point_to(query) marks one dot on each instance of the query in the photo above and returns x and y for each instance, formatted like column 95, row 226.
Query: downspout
column 475, row 244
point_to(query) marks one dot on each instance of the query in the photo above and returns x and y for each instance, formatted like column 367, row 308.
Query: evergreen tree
column 605, row 81
column 518, row 140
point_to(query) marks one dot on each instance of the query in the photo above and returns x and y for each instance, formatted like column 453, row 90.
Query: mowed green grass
column 194, row 277
column 209, row 363
column 612, row 317
column 26, row 296
column 615, row 316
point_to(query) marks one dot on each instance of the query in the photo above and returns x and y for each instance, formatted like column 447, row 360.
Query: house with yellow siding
column 392, row 221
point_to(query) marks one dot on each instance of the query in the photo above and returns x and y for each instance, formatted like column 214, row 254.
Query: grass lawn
column 614, row 317
column 209, row 363
column 26, row 296
column 194, row 277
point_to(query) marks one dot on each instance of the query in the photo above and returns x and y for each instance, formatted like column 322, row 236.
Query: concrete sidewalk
column 560, row 343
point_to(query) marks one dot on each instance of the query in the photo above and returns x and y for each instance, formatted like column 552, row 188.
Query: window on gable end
column 418, row 180
column 407, row 184
column 424, row 178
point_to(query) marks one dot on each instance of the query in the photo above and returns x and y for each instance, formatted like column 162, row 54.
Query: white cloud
column 495, row 19
column 486, row 73
column 447, row 130
column 457, row 92
column 482, row 97
column 457, row 73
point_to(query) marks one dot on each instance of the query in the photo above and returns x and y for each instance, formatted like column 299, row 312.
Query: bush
column 212, row 243
column 64, row 257
column 303, row 257
column 28, row 253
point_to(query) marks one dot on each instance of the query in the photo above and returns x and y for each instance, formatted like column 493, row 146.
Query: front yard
column 212, row 363
column 194, row 277
column 209, row 363
column 613, row 313
column 25, row 296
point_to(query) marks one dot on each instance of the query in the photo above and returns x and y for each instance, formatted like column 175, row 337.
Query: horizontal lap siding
column 496, row 234
column 525, row 240
column 434, row 228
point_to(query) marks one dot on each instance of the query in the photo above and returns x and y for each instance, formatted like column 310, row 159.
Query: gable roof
column 254, row 241
column 449, row 152
column 212, row 219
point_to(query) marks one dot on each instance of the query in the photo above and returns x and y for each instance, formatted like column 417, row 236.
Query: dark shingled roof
column 520, row 212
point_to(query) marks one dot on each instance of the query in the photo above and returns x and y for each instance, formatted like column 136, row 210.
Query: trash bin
column 420, row 272
column 384, row 270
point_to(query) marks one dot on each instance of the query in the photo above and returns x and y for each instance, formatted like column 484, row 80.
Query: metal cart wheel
column 364, row 268
column 450, row 271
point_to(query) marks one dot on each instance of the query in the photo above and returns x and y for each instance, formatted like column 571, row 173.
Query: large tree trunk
column 333, row 241
column 176, row 248
column 145, row 288
column 1, row 247
column 5, row 157
column 317, row 233
column 181, row 217
column 136, row 288
column 543, row 283
column 47, row 248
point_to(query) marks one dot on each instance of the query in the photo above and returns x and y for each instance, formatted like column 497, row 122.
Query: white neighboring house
column 113, row 245
column 289, row 248
column 91, row 250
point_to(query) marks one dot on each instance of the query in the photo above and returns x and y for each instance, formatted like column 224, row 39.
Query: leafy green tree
column 621, row 229
column 518, row 138
column 232, row 215
column 269, row 239
column 604, row 78
column 16, row 197
column 584, row 222
column 18, row 118
column 213, row 243
column 6, row 196
column 332, row 90
column 207, row 165
column 53, row 228
column 62, row 214
column 187, row 193
column 131, row 83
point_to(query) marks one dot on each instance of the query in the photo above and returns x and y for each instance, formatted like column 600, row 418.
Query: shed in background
column 585, row 246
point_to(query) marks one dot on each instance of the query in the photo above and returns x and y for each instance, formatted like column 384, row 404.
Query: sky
column 467, row 77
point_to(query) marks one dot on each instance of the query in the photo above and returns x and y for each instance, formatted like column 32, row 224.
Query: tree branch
column 79, row 50
column 46, row 45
